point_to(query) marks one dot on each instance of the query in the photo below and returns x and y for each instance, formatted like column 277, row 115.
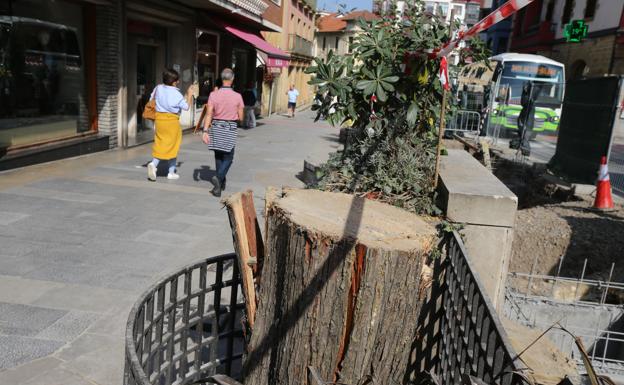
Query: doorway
column 146, row 58
column 145, row 82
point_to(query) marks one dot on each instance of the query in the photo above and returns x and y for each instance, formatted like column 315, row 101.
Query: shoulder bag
column 149, row 112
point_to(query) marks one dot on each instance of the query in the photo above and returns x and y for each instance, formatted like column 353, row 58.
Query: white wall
column 608, row 13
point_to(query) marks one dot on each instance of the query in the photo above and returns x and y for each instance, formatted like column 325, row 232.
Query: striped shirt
column 223, row 135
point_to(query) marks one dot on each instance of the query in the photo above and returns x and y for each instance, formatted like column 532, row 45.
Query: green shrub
column 390, row 156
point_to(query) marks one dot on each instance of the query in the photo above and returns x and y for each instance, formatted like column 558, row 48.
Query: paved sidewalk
column 81, row 238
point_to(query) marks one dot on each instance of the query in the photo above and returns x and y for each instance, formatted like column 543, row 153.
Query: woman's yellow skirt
column 168, row 136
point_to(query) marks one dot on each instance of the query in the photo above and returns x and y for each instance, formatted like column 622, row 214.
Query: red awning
column 281, row 58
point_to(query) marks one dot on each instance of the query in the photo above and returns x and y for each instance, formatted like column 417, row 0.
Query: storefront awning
column 276, row 57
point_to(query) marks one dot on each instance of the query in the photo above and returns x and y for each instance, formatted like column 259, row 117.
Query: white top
column 169, row 99
column 292, row 96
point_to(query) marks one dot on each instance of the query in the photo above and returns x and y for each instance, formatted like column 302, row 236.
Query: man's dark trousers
column 223, row 161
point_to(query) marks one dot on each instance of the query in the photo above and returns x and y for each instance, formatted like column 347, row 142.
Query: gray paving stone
column 96, row 357
column 17, row 350
column 14, row 246
column 14, row 265
column 17, row 234
column 84, row 298
column 168, row 238
column 58, row 195
column 69, row 326
column 26, row 320
column 194, row 219
column 59, row 376
column 23, row 291
column 113, row 323
column 131, row 281
column 28, row 371
column 98, row 236
column 69, row 272
column 6, row 217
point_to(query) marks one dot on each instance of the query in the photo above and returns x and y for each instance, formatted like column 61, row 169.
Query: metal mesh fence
column 461, row 333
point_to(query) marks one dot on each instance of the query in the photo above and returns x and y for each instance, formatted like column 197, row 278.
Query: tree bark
column 339, row 290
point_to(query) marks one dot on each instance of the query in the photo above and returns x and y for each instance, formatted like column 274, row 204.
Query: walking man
column 249, row 98
column 292, row 99
column 225, row 109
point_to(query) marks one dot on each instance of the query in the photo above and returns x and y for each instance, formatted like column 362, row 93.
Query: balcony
column 299, row 46
column 256, row 7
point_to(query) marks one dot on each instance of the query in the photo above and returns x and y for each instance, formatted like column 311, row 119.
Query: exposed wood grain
column 345, row 306
column 252, row 229
column 235, row 209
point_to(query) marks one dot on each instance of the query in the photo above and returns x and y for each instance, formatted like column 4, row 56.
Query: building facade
column 75, row 75
column 497, row 36
column 540, row 29
column 336, row 32
column 296, row 38
column 466, row 11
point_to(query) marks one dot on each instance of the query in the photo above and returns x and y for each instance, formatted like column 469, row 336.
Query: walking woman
column 225, row 109
column 169, row 103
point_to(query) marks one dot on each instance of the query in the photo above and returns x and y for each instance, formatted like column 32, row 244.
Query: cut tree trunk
column 340, row 290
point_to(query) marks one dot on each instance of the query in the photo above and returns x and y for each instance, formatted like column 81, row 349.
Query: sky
column 332, row 5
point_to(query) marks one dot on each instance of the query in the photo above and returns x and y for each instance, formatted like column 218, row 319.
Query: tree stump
column 340, row 290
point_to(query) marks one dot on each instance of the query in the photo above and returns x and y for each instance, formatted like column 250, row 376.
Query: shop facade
column 48, row 74
column 76, row 75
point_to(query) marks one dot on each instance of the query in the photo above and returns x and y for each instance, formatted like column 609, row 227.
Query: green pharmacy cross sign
column 575, row 31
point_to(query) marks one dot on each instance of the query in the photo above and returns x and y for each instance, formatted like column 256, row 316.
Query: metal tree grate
column 187, row 326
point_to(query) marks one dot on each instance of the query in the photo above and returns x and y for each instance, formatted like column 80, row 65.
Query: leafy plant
column 387, row 91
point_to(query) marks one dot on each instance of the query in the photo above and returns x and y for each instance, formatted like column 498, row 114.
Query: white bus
column 496, row 90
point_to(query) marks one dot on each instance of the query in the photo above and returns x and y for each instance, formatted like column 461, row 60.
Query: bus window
column 547, row 78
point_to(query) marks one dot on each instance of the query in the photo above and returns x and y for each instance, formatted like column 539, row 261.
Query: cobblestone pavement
column 81, row 238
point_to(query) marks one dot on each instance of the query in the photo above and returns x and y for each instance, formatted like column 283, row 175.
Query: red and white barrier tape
column 501, row 13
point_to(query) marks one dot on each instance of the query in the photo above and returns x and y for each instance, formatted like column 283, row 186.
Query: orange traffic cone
column 603, row 201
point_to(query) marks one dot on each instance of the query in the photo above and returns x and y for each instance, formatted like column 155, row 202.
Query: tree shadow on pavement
column 335, row 138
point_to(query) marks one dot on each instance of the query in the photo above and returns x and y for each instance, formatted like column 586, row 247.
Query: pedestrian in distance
column 249, row 98
column 292, row 100
column 225, row 110
column 168, row 133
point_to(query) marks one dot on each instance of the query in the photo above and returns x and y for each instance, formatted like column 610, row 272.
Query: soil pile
column 547, row 364
column 553, row 225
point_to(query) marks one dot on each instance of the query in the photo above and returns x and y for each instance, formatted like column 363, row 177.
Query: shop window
column 430, row 7
column 207, row 64
column 443, row 9
column 568, row 8
column 43, row 94
column 590, row 9
column 458, row 11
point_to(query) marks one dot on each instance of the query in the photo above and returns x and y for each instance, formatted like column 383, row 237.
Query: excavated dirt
column 552, row 223
column 548, row 366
